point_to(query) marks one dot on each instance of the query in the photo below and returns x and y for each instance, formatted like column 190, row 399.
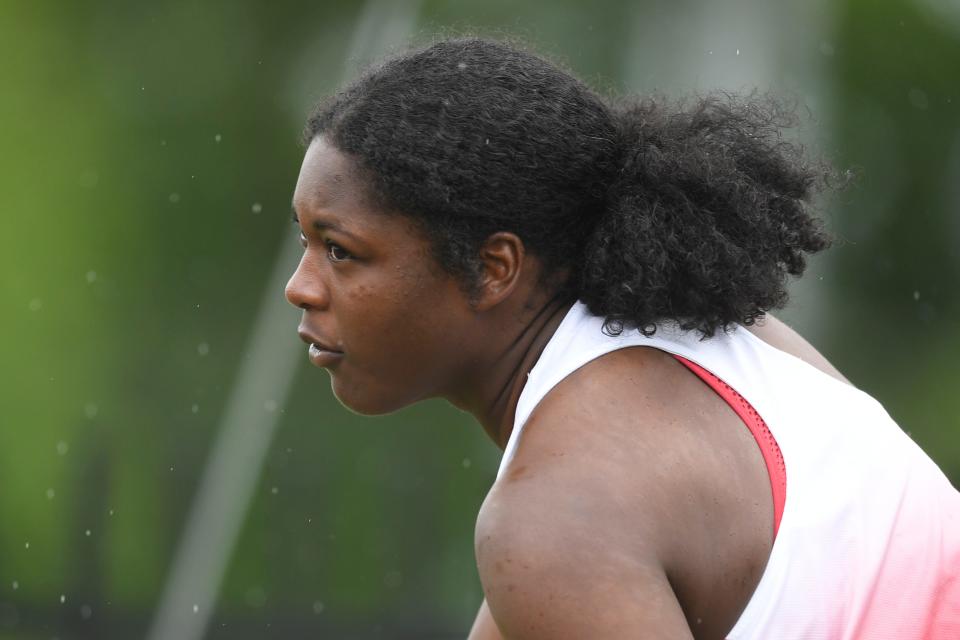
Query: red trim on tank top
column 769, row 448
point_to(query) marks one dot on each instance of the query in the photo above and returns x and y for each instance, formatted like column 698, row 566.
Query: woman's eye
column 336, row 253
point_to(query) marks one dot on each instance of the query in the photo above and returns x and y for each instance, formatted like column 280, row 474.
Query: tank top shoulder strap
column 579, row 339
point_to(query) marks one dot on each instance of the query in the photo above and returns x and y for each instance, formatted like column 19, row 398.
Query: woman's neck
column 497, row 388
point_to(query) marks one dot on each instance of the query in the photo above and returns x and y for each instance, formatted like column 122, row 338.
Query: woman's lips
column 321, row 356
column 319, row 353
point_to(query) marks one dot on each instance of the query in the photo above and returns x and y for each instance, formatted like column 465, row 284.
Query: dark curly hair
column 694, row 211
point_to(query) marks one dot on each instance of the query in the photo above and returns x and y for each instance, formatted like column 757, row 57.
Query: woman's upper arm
column 484, row 627
column 552, row 571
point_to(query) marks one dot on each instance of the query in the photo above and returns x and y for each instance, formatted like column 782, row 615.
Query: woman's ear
column 503, row 261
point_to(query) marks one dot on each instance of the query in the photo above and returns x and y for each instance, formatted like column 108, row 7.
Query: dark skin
column 366, row 294
column 637, row 505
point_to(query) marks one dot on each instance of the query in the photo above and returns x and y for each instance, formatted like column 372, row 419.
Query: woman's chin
column 362, row 401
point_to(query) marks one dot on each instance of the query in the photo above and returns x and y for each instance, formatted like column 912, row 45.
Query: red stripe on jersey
column 761, row 433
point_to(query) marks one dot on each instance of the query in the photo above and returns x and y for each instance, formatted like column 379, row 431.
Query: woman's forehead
column 329, row 194
column 326, row 177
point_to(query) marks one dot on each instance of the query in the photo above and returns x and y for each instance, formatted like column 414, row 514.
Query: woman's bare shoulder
column 566, row 546
column 634, row 455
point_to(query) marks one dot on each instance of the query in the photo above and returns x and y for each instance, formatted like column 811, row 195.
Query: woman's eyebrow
column 320, row 225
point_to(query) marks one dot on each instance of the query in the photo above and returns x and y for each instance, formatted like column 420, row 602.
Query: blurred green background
column 170, row 464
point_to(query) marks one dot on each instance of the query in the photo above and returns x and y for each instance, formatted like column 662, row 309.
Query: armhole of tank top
column 772, row 457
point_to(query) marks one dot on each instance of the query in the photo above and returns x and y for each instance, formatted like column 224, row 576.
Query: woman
column 591, row 280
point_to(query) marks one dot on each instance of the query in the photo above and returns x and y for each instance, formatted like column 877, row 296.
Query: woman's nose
column 305, row 289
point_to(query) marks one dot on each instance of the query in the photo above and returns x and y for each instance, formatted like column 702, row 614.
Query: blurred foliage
column 897, row 271
column 150, row 152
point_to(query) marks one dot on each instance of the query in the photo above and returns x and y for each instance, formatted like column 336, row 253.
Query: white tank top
column 868, row 543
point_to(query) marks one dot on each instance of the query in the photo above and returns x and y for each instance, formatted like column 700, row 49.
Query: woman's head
column 470, row 137
column 391, row 324
column 694, row 211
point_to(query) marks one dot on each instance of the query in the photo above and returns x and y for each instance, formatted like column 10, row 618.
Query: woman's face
column 388, row 323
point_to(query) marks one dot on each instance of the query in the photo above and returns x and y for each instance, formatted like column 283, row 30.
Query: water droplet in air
column 918, row 98
column 203, row 348
column 916, row 295
column 35, row 305
column 270, row 406
column 217, row 138
column 63, row 598
column 88, row 533
column 256, row 207
column 466, row 463
column 62, row 448
column 392, row 579
column 174, row 197
column 16, row 585
column 255, row 597
column 51, row 494
column 91, row 410
column 89, row 179
column 86, row 611
column 91, row 276
column 196, row 608
column 274, row 490
column 318, row 607
column 194, row 408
